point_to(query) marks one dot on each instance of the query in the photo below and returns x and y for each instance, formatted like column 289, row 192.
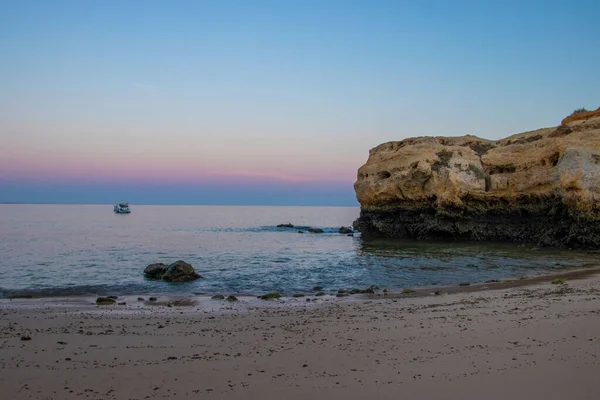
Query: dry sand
column 535, row 342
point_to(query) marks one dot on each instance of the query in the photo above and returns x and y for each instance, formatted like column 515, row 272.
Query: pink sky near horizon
column 39, row 166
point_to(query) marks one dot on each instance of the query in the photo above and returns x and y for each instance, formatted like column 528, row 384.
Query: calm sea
column 58, row 250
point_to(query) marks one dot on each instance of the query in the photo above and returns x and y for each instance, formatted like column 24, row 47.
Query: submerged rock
column 179, row 271
column 315, row 230
column 537, row 187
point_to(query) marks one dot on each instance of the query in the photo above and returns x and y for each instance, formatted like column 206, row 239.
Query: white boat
column 122, row 208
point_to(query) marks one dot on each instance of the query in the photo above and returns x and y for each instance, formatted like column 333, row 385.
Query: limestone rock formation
column 537, row 187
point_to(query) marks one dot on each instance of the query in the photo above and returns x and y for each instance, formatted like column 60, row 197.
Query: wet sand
column 539, row 341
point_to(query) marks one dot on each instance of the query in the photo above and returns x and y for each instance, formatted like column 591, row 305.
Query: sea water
column 61, row 250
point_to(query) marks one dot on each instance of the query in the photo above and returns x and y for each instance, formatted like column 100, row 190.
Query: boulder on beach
column 270, row 296
column 105, row 301
column 179, row 271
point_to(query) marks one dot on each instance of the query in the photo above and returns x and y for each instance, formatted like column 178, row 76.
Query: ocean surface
column 62, row 250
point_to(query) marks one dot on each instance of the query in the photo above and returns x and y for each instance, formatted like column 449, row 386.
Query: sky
column 268, row 102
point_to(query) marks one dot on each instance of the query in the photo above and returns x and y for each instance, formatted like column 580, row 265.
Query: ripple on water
column 240, row 250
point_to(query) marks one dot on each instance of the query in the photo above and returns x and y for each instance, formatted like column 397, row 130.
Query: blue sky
column 268, row 102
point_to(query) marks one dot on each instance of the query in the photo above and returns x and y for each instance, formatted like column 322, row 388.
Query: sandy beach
column 539, row 341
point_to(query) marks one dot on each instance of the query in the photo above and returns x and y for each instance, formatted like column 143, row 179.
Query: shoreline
column 205, row 300
column 517, row 342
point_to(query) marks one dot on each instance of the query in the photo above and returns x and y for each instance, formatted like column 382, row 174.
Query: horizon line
column 171, row 204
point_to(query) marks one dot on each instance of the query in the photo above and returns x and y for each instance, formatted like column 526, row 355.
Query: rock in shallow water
column 179, row 271
column 155, row 271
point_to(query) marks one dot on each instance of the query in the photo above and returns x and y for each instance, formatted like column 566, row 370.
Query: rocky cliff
column 539, row 187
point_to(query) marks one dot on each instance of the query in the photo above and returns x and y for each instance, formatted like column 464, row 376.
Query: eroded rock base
column 547, row 223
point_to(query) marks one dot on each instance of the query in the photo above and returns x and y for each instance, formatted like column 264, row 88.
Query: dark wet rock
column 103, row 301
column 320, row 294
column 285, row 226
column 438, row 293
column 342, row 295
column 218, row 297
column 21, row 296
column 368, row 291
column 300, row 231
column 232, row 298
column 345, row 230
column 182, row 303
column 317, row 288
column 270, row 296
column 122, row 303
column 342, row 291
column 315, row 230
column 112, row 297
column 180, row 271
column 492, row 281
column 155, row 271
column 374, row 287
column 152, row 299
column 308, row 299
column 464, row 284
column 386, row 290
column 407, row 291
column 298, row 295
column 141, row 299
column 354, row 291
column 350, row 235
column 25, row 337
